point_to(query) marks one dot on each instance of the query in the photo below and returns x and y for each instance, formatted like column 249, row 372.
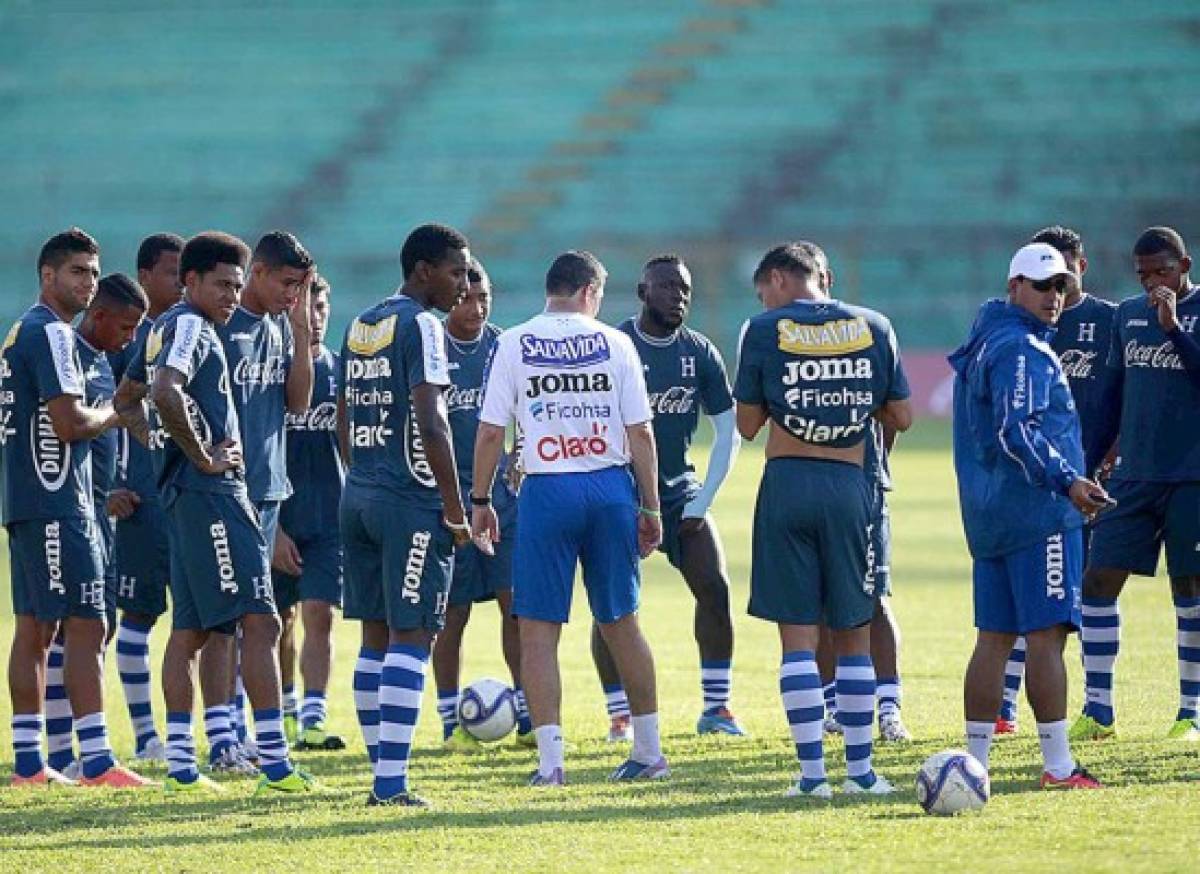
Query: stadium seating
column 918, row 141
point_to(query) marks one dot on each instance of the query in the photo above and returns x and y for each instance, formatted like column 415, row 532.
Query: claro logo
column 559, row 447
column 51, row 457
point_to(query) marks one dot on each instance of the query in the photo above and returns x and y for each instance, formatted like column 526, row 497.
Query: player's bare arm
column 168, row 397
column 895, row 416
column 300, row 375
column 750, row 419
column 489, row 444
column 644, row 459
column 429, row 407
column 74, row 420
column 129, row 402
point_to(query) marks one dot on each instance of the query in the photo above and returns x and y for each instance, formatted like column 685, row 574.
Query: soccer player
column 220, row 566
column 56, row 559
column 142, row 559
column 1081, row 340
column 1155, row 356
column 1018, row 456
column 401, row 513
column 308, row 550
column 575, row 388
column 817, row 370
column 267, row 344
column 477, row 577
column 684, row 374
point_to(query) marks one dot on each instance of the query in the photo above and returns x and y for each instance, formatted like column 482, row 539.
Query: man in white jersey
column 575, row 388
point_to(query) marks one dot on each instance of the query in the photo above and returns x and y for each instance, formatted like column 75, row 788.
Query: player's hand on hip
column 226, row 455
column 649, row 529
column 485, row 529
column 122, row 503
column 287, row 557
column 1089, row 497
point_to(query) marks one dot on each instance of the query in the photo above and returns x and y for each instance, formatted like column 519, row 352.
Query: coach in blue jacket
column 1018, row 457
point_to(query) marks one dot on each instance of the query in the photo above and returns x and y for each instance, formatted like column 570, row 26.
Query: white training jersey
column 573, row 384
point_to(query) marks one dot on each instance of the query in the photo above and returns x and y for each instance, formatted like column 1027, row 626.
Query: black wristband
column 481, row 502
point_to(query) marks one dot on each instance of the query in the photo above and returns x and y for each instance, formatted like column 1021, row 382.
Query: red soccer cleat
column 1005, row 726
column 45, row 777
column 118, row 777
column 1078, row 779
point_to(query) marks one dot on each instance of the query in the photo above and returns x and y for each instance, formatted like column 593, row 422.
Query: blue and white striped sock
column 58, row 711
column 94, row 749
column 272, row 745
column 1187, row 636
column 615, row 700
column 367, row 672
column 887, row 695
column 524, row 723
column 218, row 730
column 237, row 705
column 27, row 744
column 829, row 696
column 181, row 748
column 716, row 683
column 133, row 664
column 400, row 688
column 856, row 712
column 800, row 689
column 291, row 701
column 312, row 712
column 447, row 708
column 1100, row 635
column 1014, row 672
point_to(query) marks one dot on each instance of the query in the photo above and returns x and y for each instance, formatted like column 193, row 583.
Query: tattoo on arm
column 130, row 406
column 172, row 410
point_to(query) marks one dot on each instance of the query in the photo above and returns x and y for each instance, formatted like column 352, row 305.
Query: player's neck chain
column 465, row 347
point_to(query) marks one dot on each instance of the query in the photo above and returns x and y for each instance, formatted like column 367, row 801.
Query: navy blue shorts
column 321, row 579
column 577, row 518
column 1148, row 517
column 143, row 560
column 398, row 562
column 1033, row 588
column 672, row 518
column 220, row 570
column 478, row 577
column 810, row 556
column 107, row 534
column 56, row 569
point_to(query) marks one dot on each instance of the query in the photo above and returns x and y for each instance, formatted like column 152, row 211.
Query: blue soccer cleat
column 635, row 770
column 719, row 720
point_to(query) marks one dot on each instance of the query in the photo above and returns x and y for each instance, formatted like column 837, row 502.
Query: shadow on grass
column 709, row 781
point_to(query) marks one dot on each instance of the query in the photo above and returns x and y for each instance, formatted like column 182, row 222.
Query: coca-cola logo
column 1160, row 357
column 676, row 400
column 459, row 399
column 321, row 417
column 262, row 373
column 1077, row 363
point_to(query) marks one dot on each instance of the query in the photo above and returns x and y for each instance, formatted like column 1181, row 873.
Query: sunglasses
column 1057, row 283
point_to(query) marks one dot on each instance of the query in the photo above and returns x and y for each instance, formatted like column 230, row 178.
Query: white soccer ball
column 487, row 710
column 951, row 782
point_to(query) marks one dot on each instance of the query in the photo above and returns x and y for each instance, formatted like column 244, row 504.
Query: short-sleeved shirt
column 98, row 390
column 573, row 384
column 1160, row 402
column 44, row 478
column 259, row 350
column 1082, row 340
column 389, row 350
column 135, row 465
column 468, row 369
column 821, row 369
column 184, row 340
column 314, row 464
column 684, row 375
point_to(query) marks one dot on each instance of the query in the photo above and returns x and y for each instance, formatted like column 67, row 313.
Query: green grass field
column 724, row 808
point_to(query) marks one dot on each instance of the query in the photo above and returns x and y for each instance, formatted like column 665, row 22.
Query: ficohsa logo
column 51, row 457
column 560, row 447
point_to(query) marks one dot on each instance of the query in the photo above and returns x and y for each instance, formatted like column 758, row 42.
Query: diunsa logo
column 51, row 456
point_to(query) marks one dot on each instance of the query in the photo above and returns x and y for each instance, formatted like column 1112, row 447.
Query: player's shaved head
column 801, row 257
column 117, row 291
column 1159, row 239
column 1063, row 239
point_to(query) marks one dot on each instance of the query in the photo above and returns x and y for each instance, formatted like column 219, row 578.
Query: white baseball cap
column 1037, row 261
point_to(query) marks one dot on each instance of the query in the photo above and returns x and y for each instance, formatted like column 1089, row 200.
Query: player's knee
column 261, row 628
column 317, row 617
column 1103, row 582
column 85, row 633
